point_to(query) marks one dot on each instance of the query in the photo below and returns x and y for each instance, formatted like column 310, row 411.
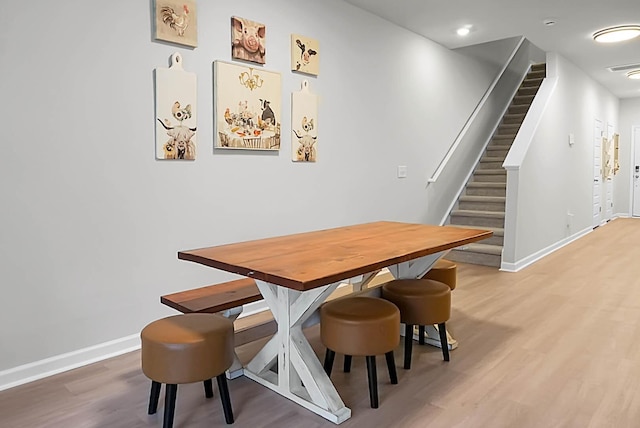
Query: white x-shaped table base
column 287, row 364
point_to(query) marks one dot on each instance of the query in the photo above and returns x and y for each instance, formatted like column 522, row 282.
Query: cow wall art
column 305, row 54
column 247, row 105
column 176, row 112
column 304, row 125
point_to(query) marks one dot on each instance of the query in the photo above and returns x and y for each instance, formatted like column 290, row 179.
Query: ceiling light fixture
column 617, row 34
column 635, row 74
column 463, row 31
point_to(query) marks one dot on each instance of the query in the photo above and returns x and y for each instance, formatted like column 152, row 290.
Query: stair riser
column 490, row 178
column 528, row 91
column 477, row 221
column 524, row 100
column 537, row 74
column 502, row 143
column 490, row 165
column 494, row 240
column 485, row 191
column 514, row 119
column 474, row 258
column 509, row 129
column 481, row 206
column 497, row 153
column 518, row 109
column 528, row 83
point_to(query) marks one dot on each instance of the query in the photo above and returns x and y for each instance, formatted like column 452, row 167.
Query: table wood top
column 308, row 260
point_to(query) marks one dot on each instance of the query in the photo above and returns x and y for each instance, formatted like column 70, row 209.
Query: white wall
column 92, row 222
column 556, row 178
column 629, row 116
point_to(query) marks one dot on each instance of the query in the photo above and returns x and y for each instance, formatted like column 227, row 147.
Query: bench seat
column 214, row 298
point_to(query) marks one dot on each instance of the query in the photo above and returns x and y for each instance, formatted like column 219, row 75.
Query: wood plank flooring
column 555, row 345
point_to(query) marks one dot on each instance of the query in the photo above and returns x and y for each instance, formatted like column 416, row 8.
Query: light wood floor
column 555, row 345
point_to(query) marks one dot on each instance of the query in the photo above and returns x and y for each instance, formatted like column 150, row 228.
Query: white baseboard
column 61, row 363
column 521, row 264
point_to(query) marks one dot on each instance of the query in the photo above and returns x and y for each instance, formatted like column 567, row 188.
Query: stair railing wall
column 516, row 157
column 450, row 178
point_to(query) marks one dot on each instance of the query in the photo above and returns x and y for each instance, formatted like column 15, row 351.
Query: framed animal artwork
column 304, row 125
column 305, row 54
column 247, row 105
column 248, row 40
column 175, row 112
column 176, row 22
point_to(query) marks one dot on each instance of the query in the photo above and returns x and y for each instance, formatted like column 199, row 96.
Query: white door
column 636, row 171
column 597, row 173
column 608, row 182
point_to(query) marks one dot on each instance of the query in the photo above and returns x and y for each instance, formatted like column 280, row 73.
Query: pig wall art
column 248, row 40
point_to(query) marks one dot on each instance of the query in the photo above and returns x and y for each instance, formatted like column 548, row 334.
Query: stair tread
column 482, row 248
column 497, row 231
column 475, row 213
column 492, row 159
column 479, row 198
column 487, row 184
column 490, row 171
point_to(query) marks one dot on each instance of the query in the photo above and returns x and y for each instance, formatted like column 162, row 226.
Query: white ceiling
column 571, row 36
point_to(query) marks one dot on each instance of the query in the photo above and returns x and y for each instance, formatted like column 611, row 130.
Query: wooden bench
column 214, row 298
column 226, row 298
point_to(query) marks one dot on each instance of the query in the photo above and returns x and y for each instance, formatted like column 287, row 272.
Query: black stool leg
column 373, row 380
column 154, row 396
column 347, row 363
column 408, row 344
column 443, row 341
column 391, row 365
column 224, row 397
column 170, row 404
column 208, row 388
column 421, row 334
column 328, row 361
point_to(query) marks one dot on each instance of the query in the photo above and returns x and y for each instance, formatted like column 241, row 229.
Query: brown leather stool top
column 421, row 302
column 361, row 326
column 187, row 348
column 444, row 271
column 184, row 349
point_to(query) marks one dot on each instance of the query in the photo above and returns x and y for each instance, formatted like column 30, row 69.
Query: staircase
column 482, row 203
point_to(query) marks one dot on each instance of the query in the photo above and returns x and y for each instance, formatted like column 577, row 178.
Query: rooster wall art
column 176, row 22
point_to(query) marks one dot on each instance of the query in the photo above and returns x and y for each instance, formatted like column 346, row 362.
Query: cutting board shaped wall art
column 304, row 125
column 176, row 111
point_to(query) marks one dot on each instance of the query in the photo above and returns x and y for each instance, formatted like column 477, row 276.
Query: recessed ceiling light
column 617, row 34
column 463, row 31
column 549, row 22
column 635, row 74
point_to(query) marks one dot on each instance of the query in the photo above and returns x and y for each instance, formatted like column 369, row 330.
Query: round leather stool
column 421, row 302
column 361, row 326
column 444, row 271
column 184, row 349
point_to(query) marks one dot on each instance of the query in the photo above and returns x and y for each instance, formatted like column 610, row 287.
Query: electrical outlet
column 402, row 171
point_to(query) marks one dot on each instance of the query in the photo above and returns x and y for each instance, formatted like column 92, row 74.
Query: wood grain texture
column 554, row 345
column 214, row 298
column 308, row 260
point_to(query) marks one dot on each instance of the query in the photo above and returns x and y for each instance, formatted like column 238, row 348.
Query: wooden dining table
column 296, row 273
